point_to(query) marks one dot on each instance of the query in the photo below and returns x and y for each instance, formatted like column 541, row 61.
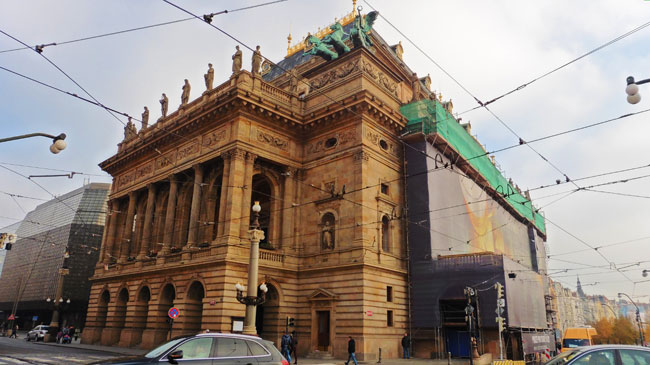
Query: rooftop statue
column 361, row 29
column 320, row 49
column 256, row 61
column 236, row 61
column 335, row 39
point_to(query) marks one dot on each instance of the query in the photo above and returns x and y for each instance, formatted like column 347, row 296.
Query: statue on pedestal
column 185, row 96
column 145, row 118
column 130, row 130
column 209, row 77
column 236, row 61
column 257, row 61
column 164, row 104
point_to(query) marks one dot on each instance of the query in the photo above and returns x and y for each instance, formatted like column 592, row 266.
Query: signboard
column 369, row 313
column 173, row 312
column 11, row 317
column 35, row 318
column 537, row 342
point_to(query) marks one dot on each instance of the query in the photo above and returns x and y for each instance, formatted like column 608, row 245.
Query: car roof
column 218, row 334
column 601, row 347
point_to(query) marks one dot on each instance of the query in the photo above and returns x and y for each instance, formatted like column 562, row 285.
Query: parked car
column 603, row 355
column 208, row 349
column 37, row 333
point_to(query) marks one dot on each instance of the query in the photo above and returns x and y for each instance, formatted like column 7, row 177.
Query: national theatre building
column 315, row 139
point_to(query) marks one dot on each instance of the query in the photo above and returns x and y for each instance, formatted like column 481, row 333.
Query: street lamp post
column 251, row 300
column 58, row 142
column 638, row 318
column 632, row 89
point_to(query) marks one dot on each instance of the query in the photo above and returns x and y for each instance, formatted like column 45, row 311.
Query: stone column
column 148, row 222
column 220, row 220
column 171, row 212
column 196, row 206
column 105, row 238
column 233, row 209
column 244, row 223
column 287, row 211
column 128, row 229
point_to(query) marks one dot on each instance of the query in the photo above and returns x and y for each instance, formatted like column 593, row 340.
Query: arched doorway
column 120, row 308
column 140, row 314
column 167, row 297
column 269, row 322
column 193, row 317
column 102, row 312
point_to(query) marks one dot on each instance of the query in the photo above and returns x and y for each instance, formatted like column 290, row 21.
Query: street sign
column 369, row 313
column 173, row 312
column 11, row 317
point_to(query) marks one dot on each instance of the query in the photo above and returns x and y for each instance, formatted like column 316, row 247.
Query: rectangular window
column 389, row 293
column 389, row 318
column 384, row 188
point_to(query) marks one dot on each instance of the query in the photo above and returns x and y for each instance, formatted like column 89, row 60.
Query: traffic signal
column 502, row 323
column 290, row 322
column 499, row 289
column 7, row 240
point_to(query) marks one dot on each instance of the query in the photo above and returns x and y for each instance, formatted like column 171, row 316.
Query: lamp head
column 60, row 300
column 645, row 273
column 256, row 207
column 68, row 301
column 48, row 299
column 58, row 144
column 239, row 287
column 264, row 288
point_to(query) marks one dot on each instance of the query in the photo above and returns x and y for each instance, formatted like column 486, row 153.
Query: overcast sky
column 490, row 47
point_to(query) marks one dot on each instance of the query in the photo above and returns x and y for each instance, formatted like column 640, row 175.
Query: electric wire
column 134, row 29
column 51, row 169
column 622, row 36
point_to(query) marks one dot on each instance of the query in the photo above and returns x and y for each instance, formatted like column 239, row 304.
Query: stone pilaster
column 171, row 213
column 196, row 206
column 126, row 245
column 247, row 192
column 145, row 243
column 287, row 208
column 232, row 219
column 113, row 233
column 220, row 220
column 105, row 237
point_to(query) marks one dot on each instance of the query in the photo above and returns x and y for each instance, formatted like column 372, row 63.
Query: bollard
column 379, row 361
column 449, row 358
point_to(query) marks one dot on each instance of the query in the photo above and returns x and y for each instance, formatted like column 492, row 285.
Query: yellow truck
column 577, row 337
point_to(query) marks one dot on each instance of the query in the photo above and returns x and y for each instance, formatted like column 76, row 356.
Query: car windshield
column 163, row 348
column 575, row 342
column 563, row 358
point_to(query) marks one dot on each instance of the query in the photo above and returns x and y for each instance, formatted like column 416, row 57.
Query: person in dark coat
column 285, row 343
column 294, row 346
column 351, row 351
column 406, row 346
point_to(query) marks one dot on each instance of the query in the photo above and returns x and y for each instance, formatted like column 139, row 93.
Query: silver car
column 37, row 333
column 603, row 355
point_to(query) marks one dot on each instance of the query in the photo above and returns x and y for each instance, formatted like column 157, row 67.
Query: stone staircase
column 320, row 355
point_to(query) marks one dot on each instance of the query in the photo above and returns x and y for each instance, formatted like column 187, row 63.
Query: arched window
column 262, row 192
column 385, row 234
column 328, row 231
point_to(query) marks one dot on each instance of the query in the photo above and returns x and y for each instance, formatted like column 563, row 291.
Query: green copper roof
column 429, row 117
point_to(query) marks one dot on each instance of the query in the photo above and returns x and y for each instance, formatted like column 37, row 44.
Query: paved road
column 19, row 351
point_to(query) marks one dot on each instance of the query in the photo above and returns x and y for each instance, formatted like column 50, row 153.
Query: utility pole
column 501, row 303
column 469, row 313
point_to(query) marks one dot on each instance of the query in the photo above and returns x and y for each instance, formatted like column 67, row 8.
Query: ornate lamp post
column 251, row 300
column 638, row 317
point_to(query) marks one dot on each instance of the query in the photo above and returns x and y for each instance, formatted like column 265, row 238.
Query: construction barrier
column 508, row 362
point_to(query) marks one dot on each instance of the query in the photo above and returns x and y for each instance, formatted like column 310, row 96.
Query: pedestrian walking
column 284, row 345
column 406, row 346
column 294, row 346
column 14, row 332
column 351, row 351
column 4, row 329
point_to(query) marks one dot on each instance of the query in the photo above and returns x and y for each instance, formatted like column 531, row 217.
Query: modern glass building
column 55, row 254
column 12, row 228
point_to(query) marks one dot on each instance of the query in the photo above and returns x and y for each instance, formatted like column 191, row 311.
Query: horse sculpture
column 320, row 49
column 335, row 39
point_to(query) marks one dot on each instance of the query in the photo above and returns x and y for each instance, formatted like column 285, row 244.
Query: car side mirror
column 175, row 356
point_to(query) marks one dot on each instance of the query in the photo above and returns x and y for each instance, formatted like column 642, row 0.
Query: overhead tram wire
column 135, row 29
column 588, row 245
column 51, row 169
column 473, row 96
column 601, row 246
column 622, row 36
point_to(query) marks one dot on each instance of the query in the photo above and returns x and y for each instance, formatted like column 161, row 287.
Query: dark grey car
column 208, row 349
column 603, row 355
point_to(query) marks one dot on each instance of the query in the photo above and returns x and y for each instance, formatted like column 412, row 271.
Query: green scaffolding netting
column 429, row 117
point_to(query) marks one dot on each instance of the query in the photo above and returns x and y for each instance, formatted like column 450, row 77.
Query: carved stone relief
column 188, row 150
column 333, row 75
column 143, row 172
column 165, row 160
column 342, row 138
column 381, row 142
column 271, row 140
column 213, row 138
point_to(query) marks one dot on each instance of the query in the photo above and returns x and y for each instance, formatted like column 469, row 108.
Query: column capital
column 251, row 157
